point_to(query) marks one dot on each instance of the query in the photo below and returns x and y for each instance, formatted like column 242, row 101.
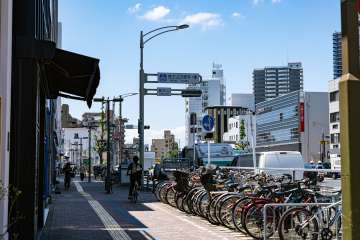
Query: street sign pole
column 208, row 125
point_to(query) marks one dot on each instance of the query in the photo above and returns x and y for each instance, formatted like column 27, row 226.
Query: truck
column 335, row 161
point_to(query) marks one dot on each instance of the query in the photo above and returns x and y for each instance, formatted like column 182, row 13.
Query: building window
column 335, row 126
column 334, row 117
column 335, row 138
column 334, row 96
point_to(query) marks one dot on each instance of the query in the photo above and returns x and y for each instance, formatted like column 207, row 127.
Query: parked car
column 282, row 159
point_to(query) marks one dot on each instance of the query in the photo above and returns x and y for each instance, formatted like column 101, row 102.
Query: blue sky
column 239, row 34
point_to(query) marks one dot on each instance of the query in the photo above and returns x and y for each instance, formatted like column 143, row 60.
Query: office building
column 271, row 82
column 221, row 115
column 245, row 100
column 293, row 122
column 337, row 62
column 164, row 146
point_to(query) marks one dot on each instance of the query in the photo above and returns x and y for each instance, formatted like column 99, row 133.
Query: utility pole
column 89, row 163
column 349, row 88
column 108, row 154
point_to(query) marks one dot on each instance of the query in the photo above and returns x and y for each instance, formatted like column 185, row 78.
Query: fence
column 326, row 207
column 174, row 164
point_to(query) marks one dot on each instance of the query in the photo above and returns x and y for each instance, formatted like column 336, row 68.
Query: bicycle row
column 237, row 201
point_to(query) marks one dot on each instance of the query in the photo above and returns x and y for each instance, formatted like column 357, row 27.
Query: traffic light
column 146, row 127
column 191, row 93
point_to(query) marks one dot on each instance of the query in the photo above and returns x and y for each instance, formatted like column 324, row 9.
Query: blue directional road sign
column 208, row 123
column 181, row 78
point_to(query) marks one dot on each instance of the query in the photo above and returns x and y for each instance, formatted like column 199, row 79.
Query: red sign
column 358, row 6
column 302, row 117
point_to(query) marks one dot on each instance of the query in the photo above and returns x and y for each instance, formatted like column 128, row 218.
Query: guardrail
column 327, row 206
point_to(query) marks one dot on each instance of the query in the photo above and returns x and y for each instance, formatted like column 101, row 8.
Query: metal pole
column 209, row 160
column 141, row 100
column 108, row 156
column 120, row 131
column 80, row 152
column 253, row 140
column 194, row 159
column 89, row 177
column 349, row 87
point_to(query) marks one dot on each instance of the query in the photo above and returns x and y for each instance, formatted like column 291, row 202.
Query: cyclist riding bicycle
column 134, row 171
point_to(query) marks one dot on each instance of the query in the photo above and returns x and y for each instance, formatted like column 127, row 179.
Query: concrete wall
column 316, row 123
column 5, row 87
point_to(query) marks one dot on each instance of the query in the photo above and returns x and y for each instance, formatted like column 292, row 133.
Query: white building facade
column 233, row 133
column 334, row 123
column 246, row 100
column 213, row 94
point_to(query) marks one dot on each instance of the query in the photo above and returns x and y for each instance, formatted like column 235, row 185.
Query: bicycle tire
column 287, row 219
column 237, row 213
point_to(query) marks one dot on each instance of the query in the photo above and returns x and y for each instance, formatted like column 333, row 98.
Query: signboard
column 302, row 117
column 208, row 123
column 163, row 91
column 181, row 78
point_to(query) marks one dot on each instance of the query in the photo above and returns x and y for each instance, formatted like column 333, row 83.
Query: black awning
column 72, row 75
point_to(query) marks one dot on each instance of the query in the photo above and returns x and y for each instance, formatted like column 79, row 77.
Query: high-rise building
column 337, row 63
column 213, row 94
column 271, row 82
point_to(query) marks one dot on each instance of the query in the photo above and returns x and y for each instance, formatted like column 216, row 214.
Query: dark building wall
column 32, row 21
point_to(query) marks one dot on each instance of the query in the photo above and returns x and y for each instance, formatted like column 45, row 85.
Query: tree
column 100, row 145
column 242, row 129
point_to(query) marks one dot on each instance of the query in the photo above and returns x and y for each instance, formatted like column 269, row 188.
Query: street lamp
column 157, row 32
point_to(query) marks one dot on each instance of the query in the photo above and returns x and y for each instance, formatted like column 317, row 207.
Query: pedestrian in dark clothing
column 134, row 171
column 67, row 175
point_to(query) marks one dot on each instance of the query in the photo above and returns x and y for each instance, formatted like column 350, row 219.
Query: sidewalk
column 87, row 212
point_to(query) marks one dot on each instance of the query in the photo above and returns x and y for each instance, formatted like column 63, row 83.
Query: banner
column 301, row 117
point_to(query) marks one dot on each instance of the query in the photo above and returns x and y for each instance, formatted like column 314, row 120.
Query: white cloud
column 237, row 15
column 134, row 9
column 204, row 19
column 156, row 13
column 256, row 2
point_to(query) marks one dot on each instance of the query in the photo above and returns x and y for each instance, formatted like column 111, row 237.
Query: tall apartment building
column 337, row 63
column 67, row 121
column 272, row 82
column 163, row 146
column 213, row 94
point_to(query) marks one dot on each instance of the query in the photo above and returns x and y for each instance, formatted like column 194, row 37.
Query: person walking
column 82, row 173
column 67, row 175
column 134, row 171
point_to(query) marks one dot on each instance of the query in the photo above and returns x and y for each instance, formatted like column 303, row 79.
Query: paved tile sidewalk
column 72, row 217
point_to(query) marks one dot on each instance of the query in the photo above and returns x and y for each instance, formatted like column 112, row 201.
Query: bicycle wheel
column 212, row 211
column 298, row 223
column 253, row 221
column 225, row 210
column 170, row 196
column 237, row 213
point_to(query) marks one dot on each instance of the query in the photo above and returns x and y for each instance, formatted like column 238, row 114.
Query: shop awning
column 72, row 75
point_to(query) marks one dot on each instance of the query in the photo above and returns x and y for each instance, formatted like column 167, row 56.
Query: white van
column 282, row 159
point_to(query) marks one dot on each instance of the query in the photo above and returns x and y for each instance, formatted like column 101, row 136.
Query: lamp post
column 151, row 34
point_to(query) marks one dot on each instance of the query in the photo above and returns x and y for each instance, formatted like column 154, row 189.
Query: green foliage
column 242, row 130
